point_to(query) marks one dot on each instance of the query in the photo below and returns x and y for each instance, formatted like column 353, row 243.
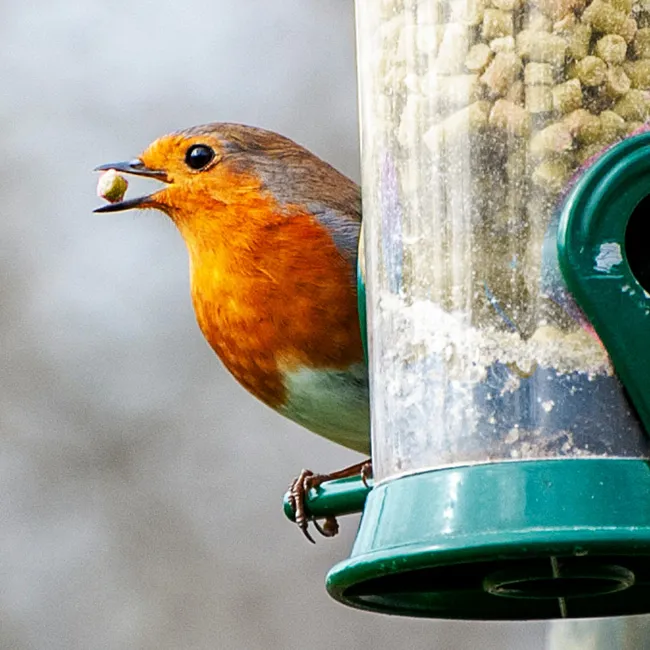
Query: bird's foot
column 306, row 480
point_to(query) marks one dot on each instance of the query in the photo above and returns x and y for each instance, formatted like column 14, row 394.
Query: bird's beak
column 137, row 168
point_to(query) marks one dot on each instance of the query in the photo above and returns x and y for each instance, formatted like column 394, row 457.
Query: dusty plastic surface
column 476, row 115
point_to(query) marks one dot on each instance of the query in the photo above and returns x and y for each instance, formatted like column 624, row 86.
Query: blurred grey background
column 140, row 486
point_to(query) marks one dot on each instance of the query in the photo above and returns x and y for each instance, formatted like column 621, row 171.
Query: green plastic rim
column 507, row 541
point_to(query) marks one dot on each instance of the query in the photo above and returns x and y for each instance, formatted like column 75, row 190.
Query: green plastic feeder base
column 505, row 541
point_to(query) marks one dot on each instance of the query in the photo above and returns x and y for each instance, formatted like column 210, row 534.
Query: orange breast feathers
column 271, row 291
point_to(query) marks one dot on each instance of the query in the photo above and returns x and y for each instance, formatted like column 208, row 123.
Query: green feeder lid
column 528, row 539
column 508, row 541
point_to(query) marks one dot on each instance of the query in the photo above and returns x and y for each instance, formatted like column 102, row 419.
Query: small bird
column 272, row 233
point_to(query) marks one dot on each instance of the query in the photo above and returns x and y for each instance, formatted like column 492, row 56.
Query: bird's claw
column 298, row 491
column 305, row 481
column 329, row 527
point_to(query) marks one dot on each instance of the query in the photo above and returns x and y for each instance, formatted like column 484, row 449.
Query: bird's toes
column 298, row 491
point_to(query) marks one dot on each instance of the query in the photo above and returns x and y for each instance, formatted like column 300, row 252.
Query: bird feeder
column 506, row 202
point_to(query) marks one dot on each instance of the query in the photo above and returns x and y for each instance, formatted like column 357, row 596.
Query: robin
column 272, row 233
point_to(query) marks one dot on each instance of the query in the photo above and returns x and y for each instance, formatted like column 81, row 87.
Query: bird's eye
column 199, row 156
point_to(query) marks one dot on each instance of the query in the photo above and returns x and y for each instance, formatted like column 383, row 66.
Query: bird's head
column 227, row 186
column 208, row 169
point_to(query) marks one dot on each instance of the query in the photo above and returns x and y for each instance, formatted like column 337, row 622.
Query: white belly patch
column 332, row 403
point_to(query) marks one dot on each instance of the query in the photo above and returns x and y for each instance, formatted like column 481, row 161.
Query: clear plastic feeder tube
column 476, row 115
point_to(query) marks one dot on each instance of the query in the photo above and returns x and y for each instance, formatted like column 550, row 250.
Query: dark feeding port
column 564, row 582
column 606, row 217
column 637, row 243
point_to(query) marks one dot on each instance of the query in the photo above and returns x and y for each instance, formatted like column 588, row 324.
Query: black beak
column 137, row 168
column 120, row 206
